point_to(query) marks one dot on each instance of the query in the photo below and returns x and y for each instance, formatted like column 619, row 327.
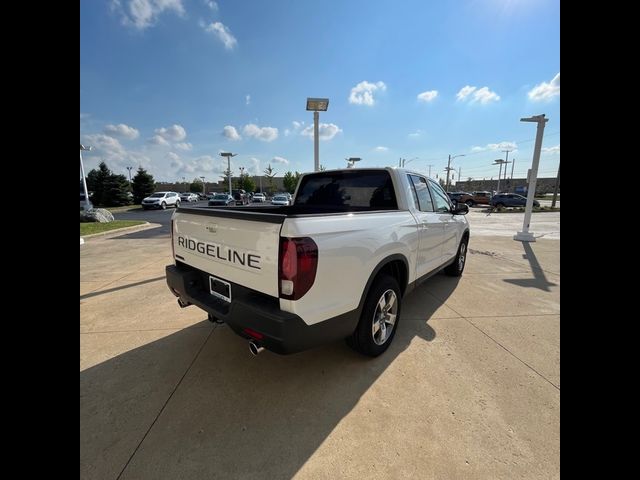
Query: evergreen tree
column 116, row 189
column 290, row 181
column 270, row 173
column 143, row 185
column 96, row 181
column 249, row 184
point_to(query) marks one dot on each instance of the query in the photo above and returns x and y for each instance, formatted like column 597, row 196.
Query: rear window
column 360, row 189
column 220, row 197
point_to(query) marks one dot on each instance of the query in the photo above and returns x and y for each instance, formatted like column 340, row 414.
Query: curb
column 118, row 231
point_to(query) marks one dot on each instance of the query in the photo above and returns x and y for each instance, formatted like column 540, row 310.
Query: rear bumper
column 282, row 332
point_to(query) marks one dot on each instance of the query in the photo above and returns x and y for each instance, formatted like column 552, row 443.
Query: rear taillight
column 297, row 266
column 173, row 247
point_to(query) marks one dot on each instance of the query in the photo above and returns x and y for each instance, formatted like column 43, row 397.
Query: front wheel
column 163, row 205
column 457, row 267
column 379, row 319
column 499, row 205
column 177, row 203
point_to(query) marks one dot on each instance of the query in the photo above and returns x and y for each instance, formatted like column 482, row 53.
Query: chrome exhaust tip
column 254, row 348
column 182, row 303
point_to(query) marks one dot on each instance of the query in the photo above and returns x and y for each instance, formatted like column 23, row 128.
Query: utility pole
column 449, row 168
column 459, row 174
column 203, row 187
column 555, row 189
column 429, row 170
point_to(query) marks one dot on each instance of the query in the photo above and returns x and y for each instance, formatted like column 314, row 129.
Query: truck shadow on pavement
column 196, row 404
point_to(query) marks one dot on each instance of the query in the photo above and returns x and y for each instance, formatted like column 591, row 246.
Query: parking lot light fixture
column 316, row 105
column 525, row 235
column 203, row 187
column 88, row 205
column 351, row 161
column 228, row 155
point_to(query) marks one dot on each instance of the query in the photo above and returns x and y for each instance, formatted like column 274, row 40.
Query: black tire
column 469, row 203
column 499, row 205
column 163, row 205
column 177, row 203
column 364, row 339
column 457, row 267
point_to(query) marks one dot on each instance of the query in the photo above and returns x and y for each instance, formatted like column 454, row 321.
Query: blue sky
column 168, row 84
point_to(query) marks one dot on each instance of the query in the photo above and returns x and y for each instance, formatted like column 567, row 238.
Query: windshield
column 280, row 198
column 220, row 197
column 157, row 195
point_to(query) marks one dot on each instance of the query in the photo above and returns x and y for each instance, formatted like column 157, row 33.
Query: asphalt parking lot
column 470, row 388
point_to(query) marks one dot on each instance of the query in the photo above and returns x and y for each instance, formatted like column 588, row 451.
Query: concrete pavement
column 470, row 388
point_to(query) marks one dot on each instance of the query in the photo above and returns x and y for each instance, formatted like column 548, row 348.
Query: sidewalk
column 470, row 388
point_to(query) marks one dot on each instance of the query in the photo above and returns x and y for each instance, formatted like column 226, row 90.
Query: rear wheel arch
column 395, row 266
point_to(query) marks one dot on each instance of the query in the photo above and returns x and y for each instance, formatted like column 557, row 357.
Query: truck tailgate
column 234, row 249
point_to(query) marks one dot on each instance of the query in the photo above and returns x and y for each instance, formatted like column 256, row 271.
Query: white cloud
column 254, row 166
column 362, row 93
column 141, row 14
column 502, row 146
column 381, row 149
column 415, row 134
column 546, row 91
column 296, row 126
column 326, row 131
column 158, row 140
column 484, row 96
column 555, row 149
column 465, row 92
column 427, row 96
column 231, row 133
column 184, row 146
column 174, row 133
column 111, row 151
column 223, row 33
column 477, row 95
column 122, row 130
column 477, row 149
column 266, row 134
column 247, row 99
column 211, row 4
column 280, row 160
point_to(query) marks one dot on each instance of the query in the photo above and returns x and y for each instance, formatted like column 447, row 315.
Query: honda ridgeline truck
column 335, row 264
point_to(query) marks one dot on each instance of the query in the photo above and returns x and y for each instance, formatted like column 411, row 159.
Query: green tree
column 96, row 180
column 143, row 185
column 249, row 184
column 116, row 190
column 322, row 168
column 290, row 181
column 195, row 186
column 270, row 173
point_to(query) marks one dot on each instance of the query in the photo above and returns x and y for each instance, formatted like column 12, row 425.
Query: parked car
column 280, row 200
column 240, row 196
column 259, row 197
column 201, row 196
column 189, row 197
column 221, row 199
column 510, row 200
column 161, row 200
column 336, row 265
column 455, row 196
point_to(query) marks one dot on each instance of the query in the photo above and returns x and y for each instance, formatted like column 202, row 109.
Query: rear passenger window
column 421, row 193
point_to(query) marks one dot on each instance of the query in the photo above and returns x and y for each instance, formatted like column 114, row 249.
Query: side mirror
column 460, row 209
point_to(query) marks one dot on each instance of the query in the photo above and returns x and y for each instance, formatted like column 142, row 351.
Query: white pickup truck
column 335, row 264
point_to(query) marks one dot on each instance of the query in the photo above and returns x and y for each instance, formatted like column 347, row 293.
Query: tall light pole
column 351, row 161
column 449, row 167
column 316, row 105
column 242, row 178
column 500, row 162
column 525, row 235
column 87, row 203
column 203, row 187
column 129, row 168
column 429, row 170
column 555, row 189
column 228, row 155
column 405, row 161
